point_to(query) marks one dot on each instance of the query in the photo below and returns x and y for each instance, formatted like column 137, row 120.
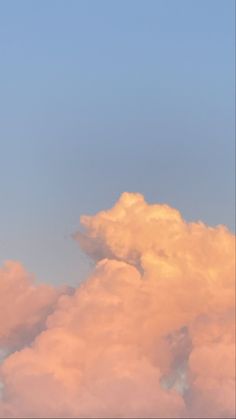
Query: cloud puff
column 24, row 306
column 149, row 334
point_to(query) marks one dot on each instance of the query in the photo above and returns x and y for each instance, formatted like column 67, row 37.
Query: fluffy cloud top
column 149, row 334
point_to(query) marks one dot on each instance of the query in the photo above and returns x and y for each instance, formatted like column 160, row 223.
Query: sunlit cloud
column 149, row 334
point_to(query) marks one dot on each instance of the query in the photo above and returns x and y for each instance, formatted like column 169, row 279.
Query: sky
column 117, row 172
column 98, row 98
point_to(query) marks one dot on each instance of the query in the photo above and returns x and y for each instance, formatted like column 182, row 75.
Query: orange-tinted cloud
column 149, row 334
column 24, row 306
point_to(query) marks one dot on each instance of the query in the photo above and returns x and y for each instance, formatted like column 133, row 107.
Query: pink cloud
column 149, row 334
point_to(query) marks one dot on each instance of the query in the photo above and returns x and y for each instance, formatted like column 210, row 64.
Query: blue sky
column 101, row 97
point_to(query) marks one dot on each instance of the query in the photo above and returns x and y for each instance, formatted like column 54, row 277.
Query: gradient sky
column 101, row 97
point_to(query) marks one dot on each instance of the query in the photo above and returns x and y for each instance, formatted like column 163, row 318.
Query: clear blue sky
column 100, row 97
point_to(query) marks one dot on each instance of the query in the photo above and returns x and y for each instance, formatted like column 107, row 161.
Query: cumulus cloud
column 149, row 334
column 24, row 306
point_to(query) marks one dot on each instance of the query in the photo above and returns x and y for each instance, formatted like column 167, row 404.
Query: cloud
column 24, row 306
column 149, row 334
